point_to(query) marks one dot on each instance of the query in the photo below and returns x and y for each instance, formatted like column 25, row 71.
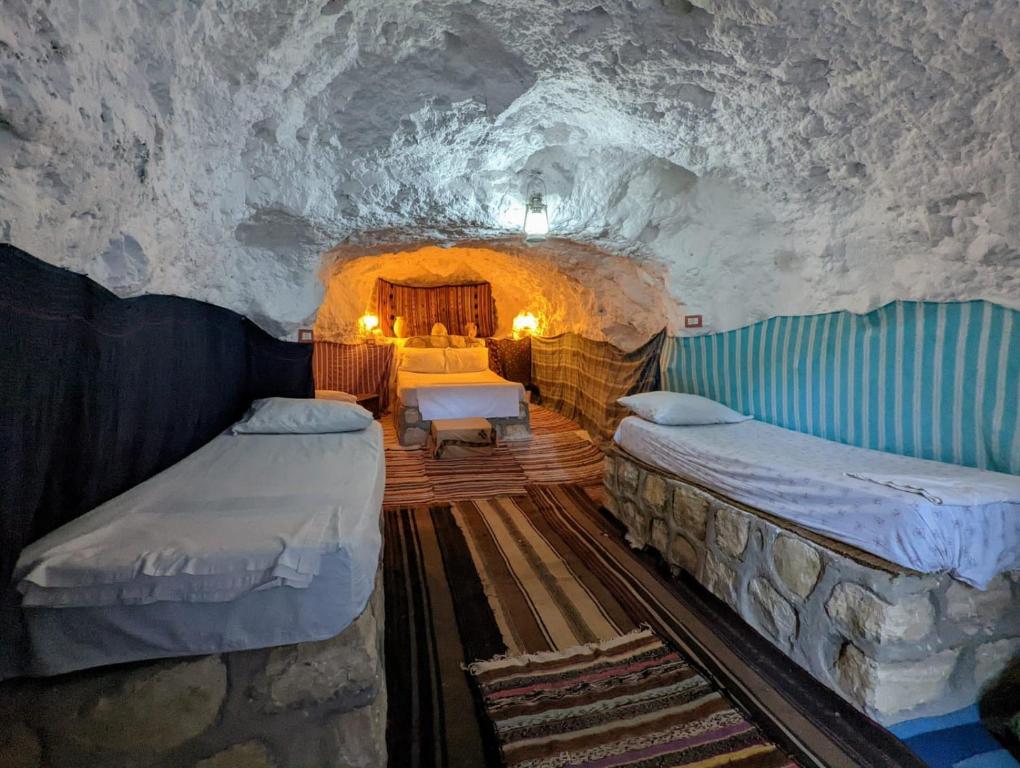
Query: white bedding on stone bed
column 924, row 515
column 251, row 541
column 483, row 394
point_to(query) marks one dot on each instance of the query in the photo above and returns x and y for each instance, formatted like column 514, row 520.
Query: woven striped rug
column 557, row 452
column 481, row 476
column 628, row 701
column 559, row 458
column 477, row 579
column 545, row 572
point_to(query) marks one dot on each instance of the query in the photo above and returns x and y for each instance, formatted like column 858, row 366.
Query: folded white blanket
column 278, row 537
column 242, row 513
column 460, row 401
column 946, row 491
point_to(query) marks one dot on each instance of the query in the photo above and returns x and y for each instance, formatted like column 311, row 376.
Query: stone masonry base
column 895, row 643
column 310, row 704
column 413, row 430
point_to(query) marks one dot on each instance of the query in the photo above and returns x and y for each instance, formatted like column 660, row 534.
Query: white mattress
column 217, row 577
column 460, row 395
column 925, row 515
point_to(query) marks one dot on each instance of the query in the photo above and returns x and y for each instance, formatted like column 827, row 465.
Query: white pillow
column 418, row 360
column 468, row 360
column 335, row 394
column 302, row 416
column 678, row 409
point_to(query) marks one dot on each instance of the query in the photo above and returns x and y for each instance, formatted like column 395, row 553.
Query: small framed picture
column 305, row 335
column 692, row 321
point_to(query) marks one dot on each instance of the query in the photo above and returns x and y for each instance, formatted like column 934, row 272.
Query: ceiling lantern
column 536, row 211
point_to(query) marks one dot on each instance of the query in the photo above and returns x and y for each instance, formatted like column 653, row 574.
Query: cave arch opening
column 569, row 286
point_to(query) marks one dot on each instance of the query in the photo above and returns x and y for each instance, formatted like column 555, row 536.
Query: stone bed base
column 413, row 430
column 311, row 704
column 895, row 643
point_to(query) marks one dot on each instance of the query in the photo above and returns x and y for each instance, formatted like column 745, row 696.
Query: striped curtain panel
column 354, row 368
column 582, row 379
column 928, row 379
column 452, row 305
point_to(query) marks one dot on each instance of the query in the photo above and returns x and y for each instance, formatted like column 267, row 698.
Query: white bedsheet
column 243, row 513
column 974, row 533
column 482, row 394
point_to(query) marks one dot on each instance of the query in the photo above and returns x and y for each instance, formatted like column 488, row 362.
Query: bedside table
column 370, row 402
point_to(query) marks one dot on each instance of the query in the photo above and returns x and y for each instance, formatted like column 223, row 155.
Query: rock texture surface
column 310, row 704
column 752, row 158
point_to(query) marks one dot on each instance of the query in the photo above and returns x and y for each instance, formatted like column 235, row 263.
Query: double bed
column 254, row 540
column 451, row 383
column 893, row 580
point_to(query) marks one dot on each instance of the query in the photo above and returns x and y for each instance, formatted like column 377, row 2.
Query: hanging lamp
column 536, row 211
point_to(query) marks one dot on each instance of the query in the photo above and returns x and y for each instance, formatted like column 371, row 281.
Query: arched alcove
column 569, row 286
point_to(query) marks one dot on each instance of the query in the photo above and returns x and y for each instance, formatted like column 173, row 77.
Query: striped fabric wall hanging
column 422, row 306
column 582, row 378
column 354, row 368
column 928, row 379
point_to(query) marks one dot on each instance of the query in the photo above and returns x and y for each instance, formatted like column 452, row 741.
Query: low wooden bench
column 461, row 438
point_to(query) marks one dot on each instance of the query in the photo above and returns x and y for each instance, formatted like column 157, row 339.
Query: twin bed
column 893, row 580
column 923, row 515
column 254, row 540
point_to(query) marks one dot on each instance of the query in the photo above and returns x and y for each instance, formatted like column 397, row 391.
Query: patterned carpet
column 628, row 701
column 556, row 452
column 478, row 579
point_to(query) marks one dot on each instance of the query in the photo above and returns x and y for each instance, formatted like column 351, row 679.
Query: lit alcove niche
column 567, row 286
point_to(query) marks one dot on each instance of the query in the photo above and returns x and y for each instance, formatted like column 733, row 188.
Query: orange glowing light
column 525, row 324
column 369, row 323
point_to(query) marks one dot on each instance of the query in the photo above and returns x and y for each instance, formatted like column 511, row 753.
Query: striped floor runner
column 628, row 701
column 557, row 452
column 545, row 571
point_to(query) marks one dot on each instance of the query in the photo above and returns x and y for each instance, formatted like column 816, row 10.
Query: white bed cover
column 924, row 515
column 241, row 514
column 483, row 394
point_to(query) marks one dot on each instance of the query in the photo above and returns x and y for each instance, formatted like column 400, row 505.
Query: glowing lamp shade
column 525, row 324
column 536, row 211
column 369, row 323
column 536, row 218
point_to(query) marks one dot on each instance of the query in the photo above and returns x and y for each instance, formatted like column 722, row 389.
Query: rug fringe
column 504, row 660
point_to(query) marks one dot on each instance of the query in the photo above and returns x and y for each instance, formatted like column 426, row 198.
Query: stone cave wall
column 763, row 157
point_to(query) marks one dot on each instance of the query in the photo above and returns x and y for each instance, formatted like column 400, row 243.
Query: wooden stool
column 461, row 438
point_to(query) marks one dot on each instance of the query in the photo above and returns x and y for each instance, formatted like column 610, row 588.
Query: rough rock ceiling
column 763, row 157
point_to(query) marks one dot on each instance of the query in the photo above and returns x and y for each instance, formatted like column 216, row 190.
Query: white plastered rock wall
column 753, row 158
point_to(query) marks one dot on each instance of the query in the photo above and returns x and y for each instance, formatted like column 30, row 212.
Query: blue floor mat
column 955, row 740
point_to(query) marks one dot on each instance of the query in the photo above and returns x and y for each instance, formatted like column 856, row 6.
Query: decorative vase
column 400, row 327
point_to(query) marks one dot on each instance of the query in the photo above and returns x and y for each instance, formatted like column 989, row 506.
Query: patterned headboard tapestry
column 421, row 306
column 929, row 379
